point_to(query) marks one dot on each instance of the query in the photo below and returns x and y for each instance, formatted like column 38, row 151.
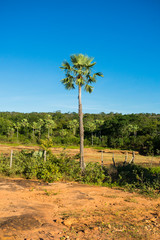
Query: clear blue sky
column 122, row 35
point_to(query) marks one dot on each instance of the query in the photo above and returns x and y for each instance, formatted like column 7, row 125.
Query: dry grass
column 92, row 155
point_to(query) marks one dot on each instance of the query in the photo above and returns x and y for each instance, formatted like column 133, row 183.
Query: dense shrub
column 93, row 174
column 138, row 175
column 31, row 164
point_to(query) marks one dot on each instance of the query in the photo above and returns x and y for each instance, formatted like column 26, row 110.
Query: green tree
column 49, row 124
column 90, row 125
column 39, row 127
column 10, row 131
column 63, row 132
column 17, row 126
column 133, row 128
column 99, row 124
column 79, row 73
column 73, row 124
column 25, row 124
column 34, row 127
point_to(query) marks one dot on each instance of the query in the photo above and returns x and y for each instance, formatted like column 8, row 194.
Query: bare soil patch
column 30, row 209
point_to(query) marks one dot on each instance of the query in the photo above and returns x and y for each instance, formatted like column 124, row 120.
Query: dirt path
column 40, row 211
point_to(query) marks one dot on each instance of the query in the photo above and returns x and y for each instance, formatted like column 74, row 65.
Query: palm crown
column 80, row 72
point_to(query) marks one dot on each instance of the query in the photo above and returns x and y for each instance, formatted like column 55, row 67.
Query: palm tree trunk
column 81, row 130
column 48, row 133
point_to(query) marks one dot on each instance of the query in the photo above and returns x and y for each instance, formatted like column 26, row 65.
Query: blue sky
column 123, row 37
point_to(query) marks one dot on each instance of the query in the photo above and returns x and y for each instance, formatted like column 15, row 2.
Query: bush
column 31, row 164
column 93, row 174
column 138, row 176
column 49, row 172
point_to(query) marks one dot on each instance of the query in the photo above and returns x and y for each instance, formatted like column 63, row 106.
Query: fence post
column 11, row 158
column 44, row 155
column 126, row 156
column 102, row 158
column 114, row 164
column 133, row 156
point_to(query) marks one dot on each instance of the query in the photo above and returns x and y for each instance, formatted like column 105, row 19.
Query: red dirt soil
column 32, row 210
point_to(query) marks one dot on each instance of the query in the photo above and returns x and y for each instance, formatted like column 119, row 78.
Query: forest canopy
column 140, row 132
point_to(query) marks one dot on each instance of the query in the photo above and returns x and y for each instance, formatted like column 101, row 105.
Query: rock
column 109, row 226
column 68, row 222
column 96, row 228
column 153, row 219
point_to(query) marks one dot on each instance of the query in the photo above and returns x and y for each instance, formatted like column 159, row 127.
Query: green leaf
column 88, row 88
column 79, row 72
column 98, row 74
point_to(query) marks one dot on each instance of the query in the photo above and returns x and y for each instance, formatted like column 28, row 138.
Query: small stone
column 153, row 219
column 109, row 226
column 96, row 228
column 69, row 222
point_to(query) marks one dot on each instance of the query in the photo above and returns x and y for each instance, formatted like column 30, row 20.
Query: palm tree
column 91, row 127
column 25, row 124
column 73, row 124
column 79, row 73
column 49, row 124
column 17, row 126
column 39, row 127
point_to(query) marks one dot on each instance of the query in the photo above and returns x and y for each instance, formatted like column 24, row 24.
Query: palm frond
column 80, row 60
column 74, row 59
column 79, row 72
column 68, row 83
column 88, row 88
column 69, row 86
column 65, row 66
column 98, row 74
column 80, row 81
column 91, row 80
column 91, row 65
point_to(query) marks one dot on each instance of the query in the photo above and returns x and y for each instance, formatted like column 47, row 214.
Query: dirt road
column 40, row 211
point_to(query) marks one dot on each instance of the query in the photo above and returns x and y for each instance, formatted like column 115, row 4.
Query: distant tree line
column 140, row 132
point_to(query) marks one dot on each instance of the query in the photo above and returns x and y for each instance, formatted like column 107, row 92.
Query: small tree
column 46, row 144
column 79, row 73
column 25, row 124
column 63, row 132
column 17, row 126
column 34, row 127
column 10, row 131
column 99, row 124
column 73, row 124
column 49, row 124
column 91, row 127
column 39, row 127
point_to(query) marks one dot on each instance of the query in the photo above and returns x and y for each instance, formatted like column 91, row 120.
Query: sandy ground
column 30, row 209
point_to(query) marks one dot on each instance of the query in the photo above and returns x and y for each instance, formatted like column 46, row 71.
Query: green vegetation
column 30, row 164
column 139, row 132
